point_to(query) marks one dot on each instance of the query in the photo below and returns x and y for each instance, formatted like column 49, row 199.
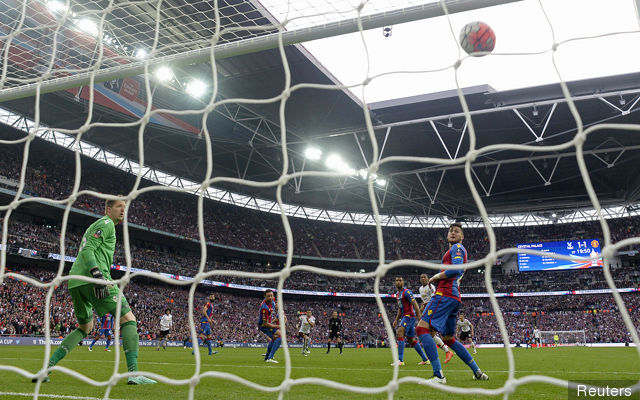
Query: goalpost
column 565, row 338
column 51, row 45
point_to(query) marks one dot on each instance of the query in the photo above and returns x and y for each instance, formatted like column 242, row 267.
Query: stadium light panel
column 364, row 174
column 336, row 163
column 381, row 182
column 141, row 54
column 88, row 26
column 195, row 88
column 313, row 153
column 57, row 6
column 164, row 74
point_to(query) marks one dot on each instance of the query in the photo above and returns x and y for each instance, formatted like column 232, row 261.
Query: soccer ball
column 477, row 39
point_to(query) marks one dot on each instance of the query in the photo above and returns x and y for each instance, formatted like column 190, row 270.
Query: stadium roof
column 246, row 137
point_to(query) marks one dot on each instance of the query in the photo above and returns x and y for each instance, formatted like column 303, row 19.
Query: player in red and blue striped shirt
column 407, row 310
column 441, row 312
column 205, row 325
column 268, row 324
column 105, row 325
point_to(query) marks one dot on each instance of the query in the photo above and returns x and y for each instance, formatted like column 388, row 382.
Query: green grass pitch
column 362, row 367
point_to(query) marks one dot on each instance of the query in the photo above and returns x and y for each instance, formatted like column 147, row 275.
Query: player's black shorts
column 465, row 335
column 302, row 334
column 334, row 335
column 164, row 334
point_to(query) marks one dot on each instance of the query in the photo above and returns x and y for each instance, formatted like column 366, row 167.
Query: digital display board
column 571, row 248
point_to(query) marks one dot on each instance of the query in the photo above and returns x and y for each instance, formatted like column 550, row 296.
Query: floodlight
column 336, row 163
column 333, row 161
column 164, row 74
column 57, row 6
column 381, row 182
column 88, row 26
column 363, row 173
column 141, row 54
column 535, row 111
column 554, row 215
column 313, row 153
column 195, row 88
column 450, row 123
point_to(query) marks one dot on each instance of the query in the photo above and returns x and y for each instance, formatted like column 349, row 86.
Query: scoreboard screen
column 571, row 248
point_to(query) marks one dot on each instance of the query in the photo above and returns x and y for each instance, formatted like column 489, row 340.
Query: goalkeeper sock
column 420, row 351
column 68, row 344
column 130, row 344
column 430, row 348
column 401, row 349
column 269, row 347
column 274, row 348
column 464, row 355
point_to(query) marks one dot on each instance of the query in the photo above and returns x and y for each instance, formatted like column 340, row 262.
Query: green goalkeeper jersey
column 96, row 250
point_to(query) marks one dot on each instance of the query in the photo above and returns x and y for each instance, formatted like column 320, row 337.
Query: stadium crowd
column 44, row 239
column 48, row 176
column 235, row 316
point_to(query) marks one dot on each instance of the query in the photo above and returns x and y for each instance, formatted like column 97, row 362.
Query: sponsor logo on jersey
column 97, row 233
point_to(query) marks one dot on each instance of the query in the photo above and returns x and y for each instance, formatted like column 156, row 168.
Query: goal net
column 88, row 50
column 563, row 338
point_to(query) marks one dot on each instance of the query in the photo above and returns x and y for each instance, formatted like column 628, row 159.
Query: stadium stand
column 246, row 229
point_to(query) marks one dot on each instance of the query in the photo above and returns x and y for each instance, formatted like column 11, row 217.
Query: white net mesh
column 119, row 32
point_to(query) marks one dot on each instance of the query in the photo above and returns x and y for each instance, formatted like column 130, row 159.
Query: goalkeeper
column 94, row 260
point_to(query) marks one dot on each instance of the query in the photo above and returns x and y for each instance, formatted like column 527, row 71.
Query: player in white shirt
column 307, row 321
column 166, row 323
column 537, row 337
column 427, row 290
column 466, row 331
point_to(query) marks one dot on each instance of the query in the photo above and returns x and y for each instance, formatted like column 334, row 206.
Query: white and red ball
column 477, row 39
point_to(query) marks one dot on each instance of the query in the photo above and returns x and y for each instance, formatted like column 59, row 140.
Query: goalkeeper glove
column 99, row 290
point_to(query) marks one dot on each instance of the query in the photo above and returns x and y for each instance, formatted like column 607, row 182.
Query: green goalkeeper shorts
column 84, row 301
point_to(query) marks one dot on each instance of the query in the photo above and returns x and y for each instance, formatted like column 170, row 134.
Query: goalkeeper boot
column 140, row 380
column 480, row 376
